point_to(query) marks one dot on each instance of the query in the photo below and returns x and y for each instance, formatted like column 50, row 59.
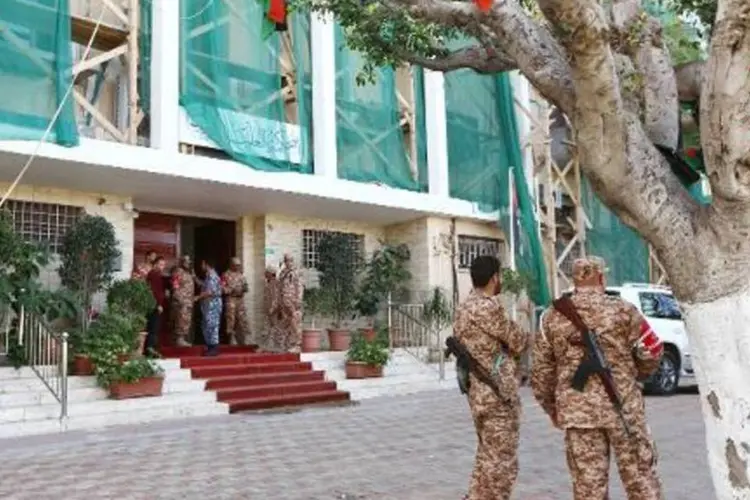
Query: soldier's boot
column 232, row 339
column 181, row 342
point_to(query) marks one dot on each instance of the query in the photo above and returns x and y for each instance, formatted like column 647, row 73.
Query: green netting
column 231, row 81
column 421, row 128
column 35, row 71
column 144, row 50
column 485, row 165
column 608, row 237
column 369, row 137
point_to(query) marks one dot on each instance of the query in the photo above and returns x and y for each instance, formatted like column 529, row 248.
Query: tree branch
column 725, row 105
column 480, row 59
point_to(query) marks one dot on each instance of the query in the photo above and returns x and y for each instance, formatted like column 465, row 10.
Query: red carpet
column 249, row 380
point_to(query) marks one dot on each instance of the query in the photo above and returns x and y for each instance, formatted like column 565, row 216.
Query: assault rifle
column 594, row 362
column 466, row 363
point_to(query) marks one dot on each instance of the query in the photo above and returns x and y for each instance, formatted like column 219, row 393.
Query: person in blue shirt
column 211, row 306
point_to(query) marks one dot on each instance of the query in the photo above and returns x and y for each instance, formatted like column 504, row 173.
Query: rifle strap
column 565, row 306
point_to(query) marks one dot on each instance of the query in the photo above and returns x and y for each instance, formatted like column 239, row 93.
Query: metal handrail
column 46, row 354
column 424, row 338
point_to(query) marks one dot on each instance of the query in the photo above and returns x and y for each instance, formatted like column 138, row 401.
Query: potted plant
column 366, row 305
column 366, row 359
column 313, row 303
column 386, row 275
column 109, row 339
column 339, row 262
column 133, row 298
column 437, row 314
column 89, row 257
column 135, row 378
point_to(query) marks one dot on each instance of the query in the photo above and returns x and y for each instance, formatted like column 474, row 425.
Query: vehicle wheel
column 666, row 380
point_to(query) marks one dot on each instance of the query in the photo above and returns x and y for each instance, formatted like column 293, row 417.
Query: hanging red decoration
column 277, row 11
column 484, row 5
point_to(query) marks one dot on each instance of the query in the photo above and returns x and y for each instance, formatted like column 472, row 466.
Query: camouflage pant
column 236, row 318
column 272, row 338
column 182, row 319
column 588, row 453
column 290, row 328
column 496, row 462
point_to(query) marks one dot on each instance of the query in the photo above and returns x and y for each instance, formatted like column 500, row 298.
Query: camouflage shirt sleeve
column 507, row 331
column 645, row 366
column 544, row 371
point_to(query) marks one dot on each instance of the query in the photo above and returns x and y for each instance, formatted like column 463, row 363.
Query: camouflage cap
column 271, row 270
column 235, row 261
column 587, row 267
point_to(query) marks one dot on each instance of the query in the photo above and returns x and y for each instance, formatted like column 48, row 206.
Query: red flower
column 691, row 152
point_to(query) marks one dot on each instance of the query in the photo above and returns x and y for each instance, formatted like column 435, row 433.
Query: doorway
column 174, row 236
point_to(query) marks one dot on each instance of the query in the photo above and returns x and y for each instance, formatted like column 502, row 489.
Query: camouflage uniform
column 482, row 325
column 235, row 288
column 272, row 339
column 591, row 424
column 183, row 295
column 290, row 308
column 141, row 271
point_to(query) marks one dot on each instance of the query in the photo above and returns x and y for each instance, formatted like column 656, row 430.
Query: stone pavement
column 392, row 448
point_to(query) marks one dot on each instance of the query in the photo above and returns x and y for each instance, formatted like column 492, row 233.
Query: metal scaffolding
column 114, row 56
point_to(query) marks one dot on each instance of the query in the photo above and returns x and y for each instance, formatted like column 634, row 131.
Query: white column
column 437, row 133
column 522, row 93
column 165, row 75
column 323, row 51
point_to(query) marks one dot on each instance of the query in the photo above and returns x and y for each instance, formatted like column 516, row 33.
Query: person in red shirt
column 155, row 280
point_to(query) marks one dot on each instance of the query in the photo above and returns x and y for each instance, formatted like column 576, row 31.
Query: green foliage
column 339, row 262
column 111, row 335
column 705, row 10
column 437, row 310
column 386, row 273
column 127, row 372
column 89, row 255
column 314, row 303
column 383, row 33
column 372, row 353
column 684, row 41
column 132, row 297
column 514, row 282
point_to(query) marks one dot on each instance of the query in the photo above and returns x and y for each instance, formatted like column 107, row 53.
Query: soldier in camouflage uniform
column 183, row 297
column 591, row 424
column 271, row 340
column 290, row 306
column 495, row 341
column 235, row 289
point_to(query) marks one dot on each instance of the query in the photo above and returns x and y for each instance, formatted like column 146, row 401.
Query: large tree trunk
column 719, row 333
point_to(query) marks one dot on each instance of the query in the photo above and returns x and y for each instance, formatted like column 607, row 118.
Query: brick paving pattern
column 391, row 448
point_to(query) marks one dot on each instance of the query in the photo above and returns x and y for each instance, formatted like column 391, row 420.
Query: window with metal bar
column 45, row 223
column 471, row 247
column 311, row 238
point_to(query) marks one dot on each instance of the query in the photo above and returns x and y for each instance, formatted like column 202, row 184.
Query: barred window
column 311, row 238
column 45, row 223
column 471, row 247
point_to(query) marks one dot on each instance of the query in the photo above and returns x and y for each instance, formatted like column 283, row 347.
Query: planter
column 355, row 370
column 338, row 340
column 143, row 388
column 373, row 371
column 369, row 334
column 82, row 365
column 358, row 370
column 311, row 340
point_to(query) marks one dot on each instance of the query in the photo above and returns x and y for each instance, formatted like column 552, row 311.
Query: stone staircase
column 404, row 374
column 247, row 380
column 27, row 407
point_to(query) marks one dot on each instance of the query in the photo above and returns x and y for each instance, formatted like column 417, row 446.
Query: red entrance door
column 160, row 233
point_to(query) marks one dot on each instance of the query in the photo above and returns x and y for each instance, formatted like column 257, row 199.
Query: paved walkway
column 399, row 448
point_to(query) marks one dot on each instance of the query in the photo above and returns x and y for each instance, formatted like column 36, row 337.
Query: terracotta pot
column 373, row 371
column 82, row 365
column 122, row 358
column 369, row 334
column 355, row 369
column 338, row 340
column 311, row 340
column 145, row 387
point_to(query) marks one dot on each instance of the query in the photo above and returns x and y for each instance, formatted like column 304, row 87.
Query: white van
column 659, row 307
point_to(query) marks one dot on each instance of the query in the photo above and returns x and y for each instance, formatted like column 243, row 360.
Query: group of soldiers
column 282, row 303
column 596, row 414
